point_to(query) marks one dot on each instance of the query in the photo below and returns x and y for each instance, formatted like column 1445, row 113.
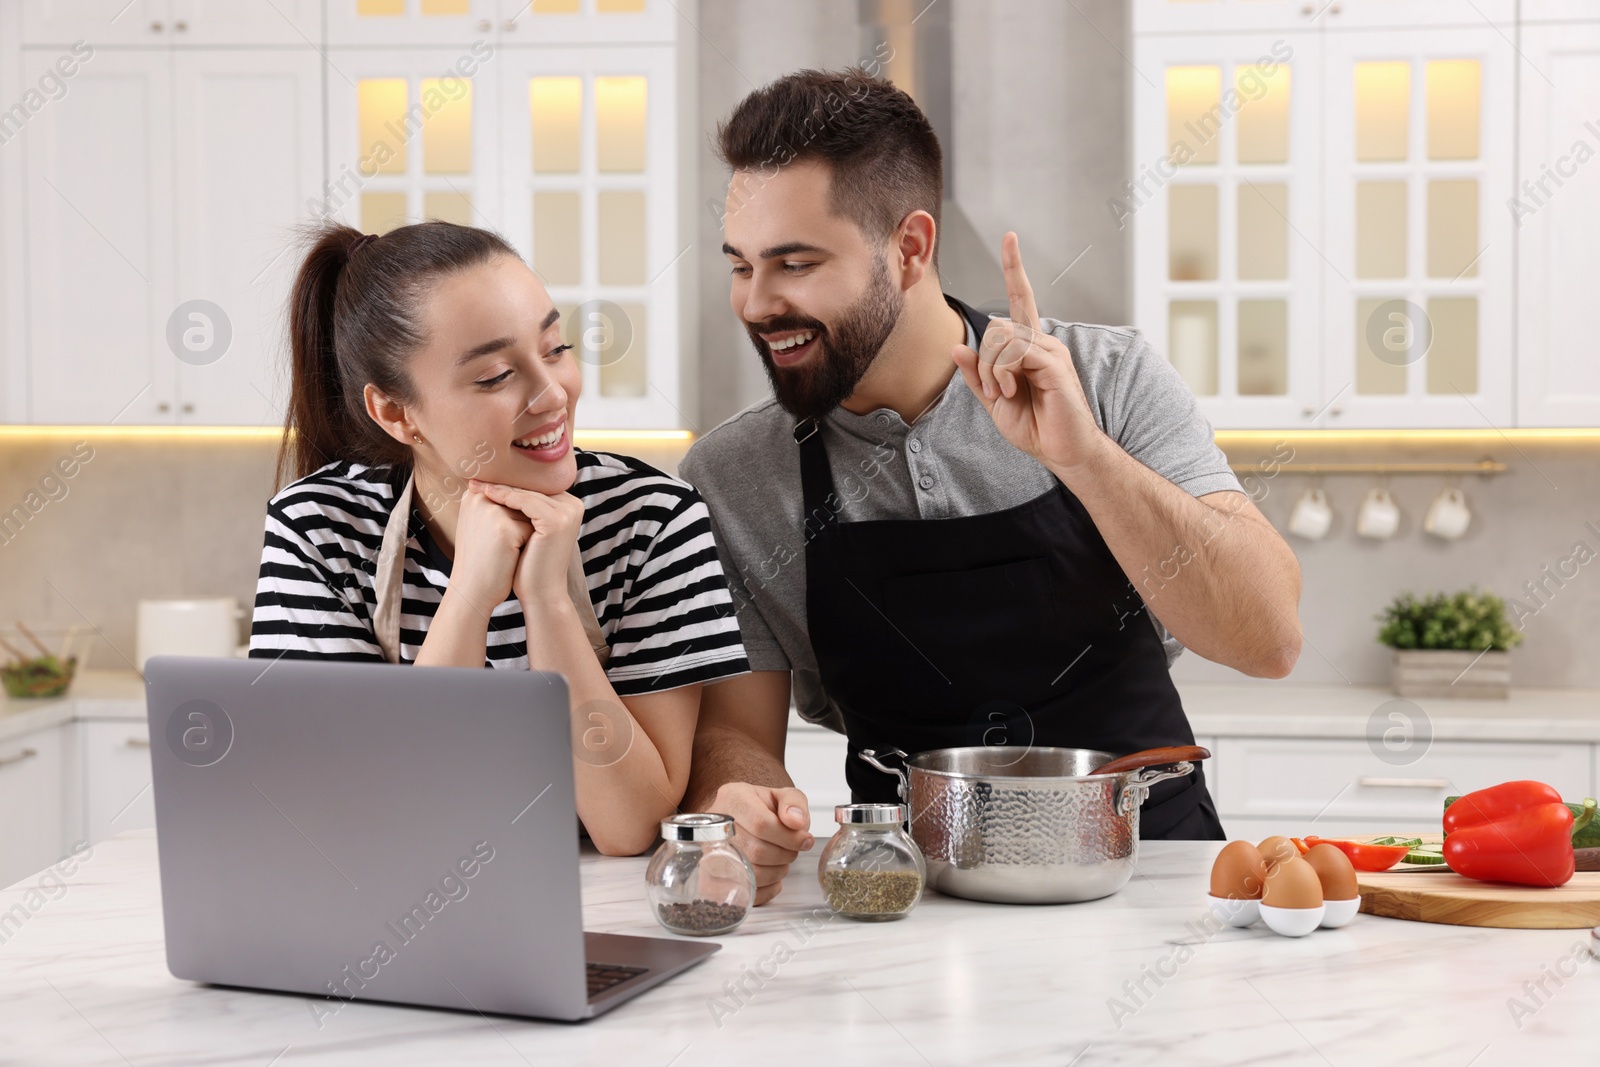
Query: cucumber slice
column 1420, row 858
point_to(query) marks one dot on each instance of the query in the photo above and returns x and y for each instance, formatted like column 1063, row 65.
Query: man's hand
column 773, row 826
column 1024, row 377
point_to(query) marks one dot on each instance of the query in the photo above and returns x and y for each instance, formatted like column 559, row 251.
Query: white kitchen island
column 1133, row 978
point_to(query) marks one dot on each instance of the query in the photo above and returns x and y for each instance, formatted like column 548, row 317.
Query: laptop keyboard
column 602, row 976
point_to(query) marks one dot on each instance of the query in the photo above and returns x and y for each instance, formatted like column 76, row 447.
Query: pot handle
column 1137, row 787
column 871, row 756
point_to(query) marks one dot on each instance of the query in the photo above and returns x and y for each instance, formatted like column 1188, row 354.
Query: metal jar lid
column 697, row 827
column 869, row 814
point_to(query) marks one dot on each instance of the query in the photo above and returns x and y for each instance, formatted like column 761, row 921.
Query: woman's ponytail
column 315, row 430
column 354, row 320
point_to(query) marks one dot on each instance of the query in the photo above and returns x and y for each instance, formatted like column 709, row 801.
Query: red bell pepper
column 1365, row 856
column 1517, row 832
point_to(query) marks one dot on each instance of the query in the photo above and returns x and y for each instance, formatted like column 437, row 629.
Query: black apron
column 1013, row 628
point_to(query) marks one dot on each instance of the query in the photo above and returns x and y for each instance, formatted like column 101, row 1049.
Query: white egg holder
column 1290, row 922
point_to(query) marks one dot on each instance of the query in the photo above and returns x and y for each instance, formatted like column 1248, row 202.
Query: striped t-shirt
column 654, row 578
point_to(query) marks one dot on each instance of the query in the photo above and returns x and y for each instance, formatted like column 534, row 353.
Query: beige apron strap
column 578, row 590
column 389, row 576
column 389, row 583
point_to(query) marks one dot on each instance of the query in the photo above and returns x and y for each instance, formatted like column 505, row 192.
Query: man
column 930, row 529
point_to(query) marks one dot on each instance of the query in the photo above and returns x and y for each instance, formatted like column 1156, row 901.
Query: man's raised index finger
column 1018, row 291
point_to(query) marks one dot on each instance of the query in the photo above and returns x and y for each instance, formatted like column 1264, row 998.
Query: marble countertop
column 1134, row 978
column 1245, row 709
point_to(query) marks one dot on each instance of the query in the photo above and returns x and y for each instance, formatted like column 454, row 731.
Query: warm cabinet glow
column 1193, row 113
column 1383, row 100
column 1263, row 121
column 1453, row 108
column 447, row 131
column 381, row 104
column 556, row 108
column 619, row 105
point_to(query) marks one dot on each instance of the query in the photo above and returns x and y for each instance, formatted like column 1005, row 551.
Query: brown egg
column 1277, row 848
column 1334, row 871
column 1239, row 872
column 1291, row 883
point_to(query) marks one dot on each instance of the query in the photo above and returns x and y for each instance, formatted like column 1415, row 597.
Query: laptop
column 370, row 832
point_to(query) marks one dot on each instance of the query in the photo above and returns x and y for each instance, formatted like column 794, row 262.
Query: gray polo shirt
column 951, row 462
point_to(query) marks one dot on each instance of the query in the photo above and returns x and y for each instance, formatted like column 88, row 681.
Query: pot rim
column 1035, row 779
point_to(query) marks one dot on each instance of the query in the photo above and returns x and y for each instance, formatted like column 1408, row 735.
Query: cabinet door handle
column 156, row 27
column 138, row 742
column 1405, row 783
column 25, row 754
column 163, row 406
column 180, row 25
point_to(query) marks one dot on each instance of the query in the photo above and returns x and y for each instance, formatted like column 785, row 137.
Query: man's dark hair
column 884, row 157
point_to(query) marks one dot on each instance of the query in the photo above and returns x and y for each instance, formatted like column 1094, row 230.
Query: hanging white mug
column 1448, row 516
column 1379, row 516
column 1311, row 516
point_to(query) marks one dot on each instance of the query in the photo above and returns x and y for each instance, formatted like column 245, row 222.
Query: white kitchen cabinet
column 1224, row 213
column 32, row 802
column 1557, row 224
column 248, row 153
column 1297, row 782
column 164, row 22
column 116, row 778
column 1419, row 156
column 596, row 211
column 1319, row 238
column 100, row 218
column 534, row 22
column 58, row 23
column 1191, row 16
column 1559, row 11
column 231, row 135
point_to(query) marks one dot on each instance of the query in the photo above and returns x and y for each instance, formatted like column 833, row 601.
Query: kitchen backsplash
column 141, row 518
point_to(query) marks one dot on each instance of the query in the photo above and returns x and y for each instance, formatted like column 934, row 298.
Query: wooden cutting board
column 1446, row 897
column 1441, row 896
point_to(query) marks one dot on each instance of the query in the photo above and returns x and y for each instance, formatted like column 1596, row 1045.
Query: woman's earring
column 417, row 439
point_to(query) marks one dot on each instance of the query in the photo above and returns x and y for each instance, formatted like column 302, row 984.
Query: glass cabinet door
column 411, row 137
column 1224, row 206
column 590, row 199
column 1418, row 244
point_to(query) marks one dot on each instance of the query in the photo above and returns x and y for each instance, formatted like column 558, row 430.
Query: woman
column 442, row 517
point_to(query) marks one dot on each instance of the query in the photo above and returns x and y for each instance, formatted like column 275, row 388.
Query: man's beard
column 820, row 384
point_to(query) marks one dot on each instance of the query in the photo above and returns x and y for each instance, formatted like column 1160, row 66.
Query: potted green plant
column 1450, row 645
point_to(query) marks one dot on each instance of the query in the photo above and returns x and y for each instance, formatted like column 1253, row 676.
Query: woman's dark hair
column 354, row 318
column 883, row 155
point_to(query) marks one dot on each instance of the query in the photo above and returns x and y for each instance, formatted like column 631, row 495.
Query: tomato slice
column 1364, row 856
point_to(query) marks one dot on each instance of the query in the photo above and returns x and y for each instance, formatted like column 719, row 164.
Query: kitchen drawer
column 116, row 772
column 1334, row 780
column 31, row 808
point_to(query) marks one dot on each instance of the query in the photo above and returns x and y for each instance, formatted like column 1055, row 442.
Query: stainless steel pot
column 1030, row 826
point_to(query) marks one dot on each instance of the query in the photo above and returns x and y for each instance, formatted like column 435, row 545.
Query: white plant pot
column 1444, row 672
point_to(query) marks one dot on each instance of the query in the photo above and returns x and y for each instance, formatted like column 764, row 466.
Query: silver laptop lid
column 370, row 831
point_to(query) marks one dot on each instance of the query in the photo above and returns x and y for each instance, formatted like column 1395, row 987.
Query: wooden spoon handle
column 1153, row 757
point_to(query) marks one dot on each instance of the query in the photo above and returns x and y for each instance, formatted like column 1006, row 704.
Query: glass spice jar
column 871, row 870
column 698, row 882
